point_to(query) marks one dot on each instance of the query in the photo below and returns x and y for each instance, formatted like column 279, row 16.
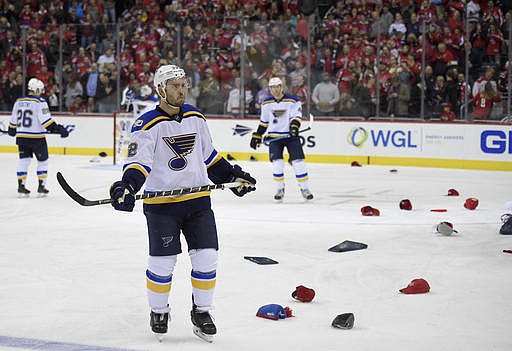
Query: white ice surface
column 76, row 275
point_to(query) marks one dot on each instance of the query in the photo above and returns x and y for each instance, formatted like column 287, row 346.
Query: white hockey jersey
column 276, row 115
column 30, row 116
column 172, row 153
column 141, row 105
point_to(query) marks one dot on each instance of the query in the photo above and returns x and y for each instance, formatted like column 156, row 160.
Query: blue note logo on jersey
column 277, row 114
column 181, row 145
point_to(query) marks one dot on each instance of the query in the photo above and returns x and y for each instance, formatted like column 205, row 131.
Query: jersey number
column 24, row 118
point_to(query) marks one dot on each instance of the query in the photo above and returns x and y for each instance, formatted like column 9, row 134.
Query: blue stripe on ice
column 35, row 344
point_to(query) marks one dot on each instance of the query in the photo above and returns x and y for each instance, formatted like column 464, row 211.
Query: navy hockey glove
column 63, row 131
column 123, row 196
column 294, row 130
column 11, row 131
column 255, row 140
column 238, row 175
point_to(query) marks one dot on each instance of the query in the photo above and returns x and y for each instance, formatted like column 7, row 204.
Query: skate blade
column 159, row 336
column 23, row 196
column 200, row 334
column 42, row 195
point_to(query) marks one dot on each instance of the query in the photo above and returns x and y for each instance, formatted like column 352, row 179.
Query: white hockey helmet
column 36, row 86
column 275, row 81
column 145, row 90
column 166, row 72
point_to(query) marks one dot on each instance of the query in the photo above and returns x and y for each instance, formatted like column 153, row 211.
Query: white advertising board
column 327, row 141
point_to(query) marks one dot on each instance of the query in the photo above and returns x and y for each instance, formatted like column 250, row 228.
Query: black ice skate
column 158, row 322
column 279, row 195
column 22, row 191
column 41, row 190
column 203, row 324
column 306, row 194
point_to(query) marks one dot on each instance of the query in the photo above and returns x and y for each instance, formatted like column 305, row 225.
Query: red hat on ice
column 416, row 286
column 405, row 204
column 453, row 192
column 471, row 203
column 369, row 211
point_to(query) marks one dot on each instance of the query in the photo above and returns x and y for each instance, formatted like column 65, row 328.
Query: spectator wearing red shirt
column 447, row 114
column 302, row 91
column 35, row 60
column 484, row 101
column 344, row 76
column 493, row 47
column 343, row 57
column 45, row 75
column 81, row 62
column 25, row 15
column 426, row 12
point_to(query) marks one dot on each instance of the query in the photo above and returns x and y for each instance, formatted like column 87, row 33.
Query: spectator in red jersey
column 493, row 47
column 35, row 60
column 45, row 75
column 483, row 101
column 25, row 15
column 447, row 115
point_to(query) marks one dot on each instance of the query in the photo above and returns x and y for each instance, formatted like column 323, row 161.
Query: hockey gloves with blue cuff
column 238, row 175
column 123, row 196
column 255, row 140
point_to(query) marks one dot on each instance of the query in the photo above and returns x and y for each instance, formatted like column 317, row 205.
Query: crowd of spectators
column 366, row 55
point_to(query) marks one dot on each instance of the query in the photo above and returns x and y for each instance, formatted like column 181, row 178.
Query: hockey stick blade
column 85, row 202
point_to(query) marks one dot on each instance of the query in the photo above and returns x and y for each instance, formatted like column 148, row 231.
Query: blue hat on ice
column 274, row 311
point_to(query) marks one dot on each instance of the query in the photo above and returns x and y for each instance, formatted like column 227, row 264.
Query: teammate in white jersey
column 281, row 114
column 144, row 102
column 171, row 148
column 30, row 122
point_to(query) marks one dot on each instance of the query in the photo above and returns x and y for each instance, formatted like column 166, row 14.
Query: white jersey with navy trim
column 30, row 116
column 172, row 153
column 141, row 105
column 276, row 115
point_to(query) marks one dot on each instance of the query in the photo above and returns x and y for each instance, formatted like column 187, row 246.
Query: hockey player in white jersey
column 281, row 114
column 30, row 122
column 171, row 148
column 144, row 102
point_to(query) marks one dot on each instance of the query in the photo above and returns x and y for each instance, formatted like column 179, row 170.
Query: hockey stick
column 267, row 140
column 85, row 202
